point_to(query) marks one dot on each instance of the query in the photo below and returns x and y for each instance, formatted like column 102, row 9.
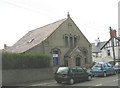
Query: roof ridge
column 47, row 25
column 100, row 42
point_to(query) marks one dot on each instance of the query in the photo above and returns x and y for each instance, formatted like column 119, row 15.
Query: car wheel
column 89, row 77
column 104, row 74
column 59, row 82
column 71, row 81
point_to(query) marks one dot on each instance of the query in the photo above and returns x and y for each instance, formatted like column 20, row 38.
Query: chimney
column 97, row 41
column 5, row 46
column 112, row 32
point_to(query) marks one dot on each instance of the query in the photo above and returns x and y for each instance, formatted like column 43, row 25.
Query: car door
column 105, row 68
column 108, row 68
column 111, row 69
column 81, row 74
column 74, row 74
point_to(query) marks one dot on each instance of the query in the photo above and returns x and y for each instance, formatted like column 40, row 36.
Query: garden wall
column 18, row 76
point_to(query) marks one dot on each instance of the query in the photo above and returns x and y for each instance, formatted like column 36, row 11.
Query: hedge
column 24, row 61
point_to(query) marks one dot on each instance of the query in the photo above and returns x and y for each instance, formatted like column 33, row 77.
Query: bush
column 24, row 61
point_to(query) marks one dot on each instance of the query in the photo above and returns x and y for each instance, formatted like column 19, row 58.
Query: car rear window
column 63, row 70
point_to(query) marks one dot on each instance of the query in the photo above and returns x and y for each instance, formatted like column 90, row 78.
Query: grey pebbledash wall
column 13, row 77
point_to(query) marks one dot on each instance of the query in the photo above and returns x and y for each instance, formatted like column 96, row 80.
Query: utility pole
column 112, row 44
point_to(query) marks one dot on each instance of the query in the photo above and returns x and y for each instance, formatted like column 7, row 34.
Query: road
column 96, row 81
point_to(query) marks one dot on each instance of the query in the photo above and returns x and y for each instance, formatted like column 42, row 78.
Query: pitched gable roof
column 97, row 48
column 35, row 37
column 118, row 38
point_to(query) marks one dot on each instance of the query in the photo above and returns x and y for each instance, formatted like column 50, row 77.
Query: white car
column 117, row 67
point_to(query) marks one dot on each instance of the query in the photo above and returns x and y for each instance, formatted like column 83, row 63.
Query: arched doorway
column 78, row 61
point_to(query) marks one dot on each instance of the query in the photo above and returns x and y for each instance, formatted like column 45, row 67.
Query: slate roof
column 35, row 37
column 118, row 38
column 98, row 47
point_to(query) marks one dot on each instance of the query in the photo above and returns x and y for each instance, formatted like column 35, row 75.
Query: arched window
column 66, row 41
column 75, row 41
column 71, row 41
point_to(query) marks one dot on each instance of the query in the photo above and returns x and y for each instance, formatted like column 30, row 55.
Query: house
column 62, row 41
column 111, row 49
column 96, row 52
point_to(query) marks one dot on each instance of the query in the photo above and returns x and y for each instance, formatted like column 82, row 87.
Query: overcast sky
column 93, row 17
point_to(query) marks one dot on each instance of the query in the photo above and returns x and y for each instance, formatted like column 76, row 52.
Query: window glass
column 63, row 70
column 97, row 54
column 97, row 65
column 75, row 41
column 105, row 65
column 74, row 70
column 109, row 65
column 71, row 42
column 80, row 70
column 66, row 41
column 108, row 51
column 85, row 60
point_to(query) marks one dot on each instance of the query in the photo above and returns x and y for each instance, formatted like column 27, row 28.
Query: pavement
column 32, row 83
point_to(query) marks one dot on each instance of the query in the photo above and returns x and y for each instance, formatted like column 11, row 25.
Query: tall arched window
column 71, row 41
column 75, row 41
column 66, row 41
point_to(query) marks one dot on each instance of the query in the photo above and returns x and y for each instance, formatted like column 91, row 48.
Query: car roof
column 100, row 62
column 71, row 67
column 63, row 67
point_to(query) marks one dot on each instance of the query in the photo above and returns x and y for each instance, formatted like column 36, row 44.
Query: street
column 96, row 81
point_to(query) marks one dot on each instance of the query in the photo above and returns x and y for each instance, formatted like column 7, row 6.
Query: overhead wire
column 19, row 5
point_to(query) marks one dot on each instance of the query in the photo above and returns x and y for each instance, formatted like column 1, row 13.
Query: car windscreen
column 63, row 70
column 97, row 65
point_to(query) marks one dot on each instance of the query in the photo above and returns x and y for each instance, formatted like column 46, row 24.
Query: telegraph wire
column 19, row 5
